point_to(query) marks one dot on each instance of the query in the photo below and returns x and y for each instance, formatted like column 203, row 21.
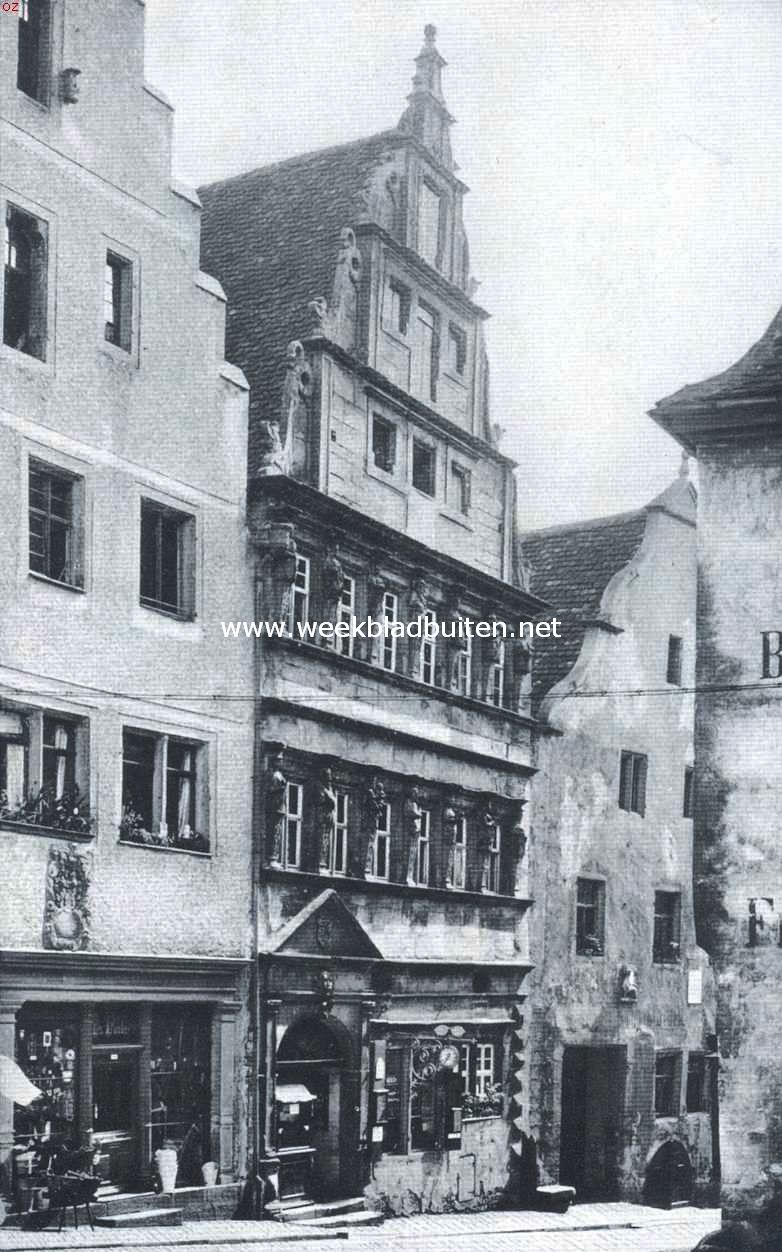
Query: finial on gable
column 426, row 116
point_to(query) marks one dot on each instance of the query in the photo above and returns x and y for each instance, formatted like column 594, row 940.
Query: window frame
column 633, row 775
column 424, row 445
column 494, row 862
column 382, row 833
column 161, row 773
column 460, row 845
column 430, row 227
column 186, row 541
column 389, row 650
column 696, row 1086
column 457, row 352
column 40, row 296
column 667, row 1084
column 42, row 55
column 294, row 824
column 122, row 300
column 585, row 911
column 666, row 936
column 461, row 480
column 301, row 589
column 427, row 653
column 380, row 421
column 346, row 611
column 496, row 683
column 75, row 523
column 423, row 851
column 426, row 359
column 397, row 306
column 23, row 734
column 673, row 667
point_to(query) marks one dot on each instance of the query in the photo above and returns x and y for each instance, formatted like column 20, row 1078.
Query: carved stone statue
column 277, row 572
column 332, row 583
column 418, row 600
column 327, row 816
column 413, row 823
column 628, row 984
column 376, row 809
column 521, row 674
column 276, row 435
column 276, row 796
column 320, row 318
column 376, row 589
column 519, row 835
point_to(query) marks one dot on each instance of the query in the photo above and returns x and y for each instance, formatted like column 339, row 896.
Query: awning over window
column 292, row 1093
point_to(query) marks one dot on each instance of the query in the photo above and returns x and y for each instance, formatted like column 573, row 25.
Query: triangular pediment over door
column 324, row 927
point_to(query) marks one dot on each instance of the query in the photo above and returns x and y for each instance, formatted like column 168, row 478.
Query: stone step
column 341, row 1221
column 307, row 1210
column 141, row 1217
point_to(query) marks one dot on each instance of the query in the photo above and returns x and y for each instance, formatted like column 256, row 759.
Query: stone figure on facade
column 413, row 825
column 277, row 572
column 332, row 584
column 377, row 587
column 276, row 434
column 376, row 811
column 628, row 984
column 521, row 673
column 276, row 808
column 336, row 320
column 325, row 989
column 326, row 808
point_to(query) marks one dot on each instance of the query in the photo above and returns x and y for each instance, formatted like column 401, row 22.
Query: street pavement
column 584, row 1228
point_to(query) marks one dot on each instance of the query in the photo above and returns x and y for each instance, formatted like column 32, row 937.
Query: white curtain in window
column 61, row 747
column 183, row 808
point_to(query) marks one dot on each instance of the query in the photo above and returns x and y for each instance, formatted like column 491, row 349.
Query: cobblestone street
column 586, row 1228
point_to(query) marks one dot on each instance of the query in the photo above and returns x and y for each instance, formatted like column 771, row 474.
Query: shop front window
column 47, row 1051
column 180, row 1089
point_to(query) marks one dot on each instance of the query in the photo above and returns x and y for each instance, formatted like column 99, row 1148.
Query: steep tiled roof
column 271, row 236
column 570, row 567
column 758, row 371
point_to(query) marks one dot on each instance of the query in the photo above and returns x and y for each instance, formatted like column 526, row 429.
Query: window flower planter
column 70, row 814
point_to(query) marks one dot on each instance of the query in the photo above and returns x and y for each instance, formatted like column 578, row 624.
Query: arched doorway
column 669, row 1176
column 315, row 1060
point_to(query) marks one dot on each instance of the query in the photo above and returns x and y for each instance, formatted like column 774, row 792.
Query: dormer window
column 430, row 225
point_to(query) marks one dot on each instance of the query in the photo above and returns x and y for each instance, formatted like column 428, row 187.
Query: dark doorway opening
column 669, row 1176
column 593, row 1085
column 315, row 1054
column 115, row 1111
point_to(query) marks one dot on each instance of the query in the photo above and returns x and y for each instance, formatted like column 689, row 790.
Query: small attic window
column 430, row 225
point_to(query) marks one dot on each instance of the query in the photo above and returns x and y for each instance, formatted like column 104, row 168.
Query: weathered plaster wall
column 167, row 420
column 445, row 1182
column 478, row 540
column 577, row 829
column 738, row 856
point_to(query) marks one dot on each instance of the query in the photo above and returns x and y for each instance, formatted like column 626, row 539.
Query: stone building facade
column 392, row 895
column 731, row 423
column 622, row 1003
column 125, row 814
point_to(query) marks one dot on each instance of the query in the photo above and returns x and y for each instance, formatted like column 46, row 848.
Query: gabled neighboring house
column 621, row 1073
column 392, row 772
column 125, row 799
column 732, row 423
